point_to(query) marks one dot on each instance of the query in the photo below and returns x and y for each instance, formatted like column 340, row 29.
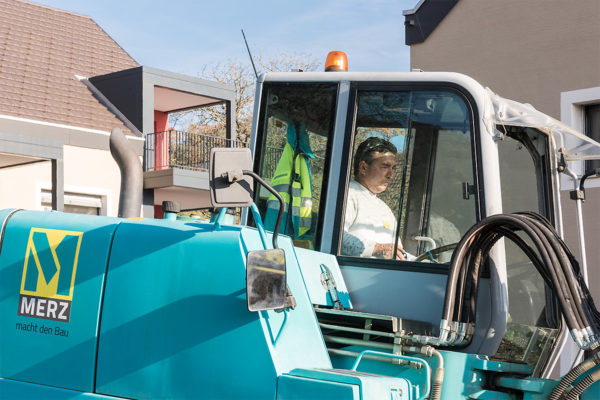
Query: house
column 542, row 53
column 64, row 85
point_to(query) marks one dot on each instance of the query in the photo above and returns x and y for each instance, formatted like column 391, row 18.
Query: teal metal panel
column 52, row 268
column 175, row 322
column 312, row 264
column 300, row 388
column 293, row 336
column 403, row 289
column 3, row 214
column 16, row 390
column 592, row 393
column 465, row 374
column 371, row 386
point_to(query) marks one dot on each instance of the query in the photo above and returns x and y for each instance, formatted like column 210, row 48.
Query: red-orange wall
column 161, row 121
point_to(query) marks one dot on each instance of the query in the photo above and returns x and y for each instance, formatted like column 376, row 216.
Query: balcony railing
column 177, row 149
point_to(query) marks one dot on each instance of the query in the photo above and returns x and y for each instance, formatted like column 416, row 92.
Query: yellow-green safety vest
column 300, row 190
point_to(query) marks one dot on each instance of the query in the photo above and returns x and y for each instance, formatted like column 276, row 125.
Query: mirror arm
column 277, row 195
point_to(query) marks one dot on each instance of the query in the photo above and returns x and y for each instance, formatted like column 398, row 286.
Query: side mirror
column 266, row 287
column 229, row 187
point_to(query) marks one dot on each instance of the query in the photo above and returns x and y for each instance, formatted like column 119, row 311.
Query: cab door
column 433, row 195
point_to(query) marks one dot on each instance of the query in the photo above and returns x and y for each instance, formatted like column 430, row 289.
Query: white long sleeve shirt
column 368, row 221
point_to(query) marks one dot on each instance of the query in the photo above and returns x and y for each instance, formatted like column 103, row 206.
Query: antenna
column 250, row 54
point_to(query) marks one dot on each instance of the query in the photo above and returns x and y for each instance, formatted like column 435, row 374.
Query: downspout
column 132, row 182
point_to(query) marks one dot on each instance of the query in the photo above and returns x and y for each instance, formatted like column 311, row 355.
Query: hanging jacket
column 292, row 180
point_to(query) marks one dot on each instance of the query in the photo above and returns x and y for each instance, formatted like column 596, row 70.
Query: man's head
column 374, row 164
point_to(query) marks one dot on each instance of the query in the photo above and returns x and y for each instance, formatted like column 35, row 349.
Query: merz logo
column 49, row 274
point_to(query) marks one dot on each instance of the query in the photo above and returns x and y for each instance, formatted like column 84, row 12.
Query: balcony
column 176, row 166
column 184, row 150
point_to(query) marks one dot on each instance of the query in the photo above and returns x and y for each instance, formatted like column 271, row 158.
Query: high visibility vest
column 291, row 179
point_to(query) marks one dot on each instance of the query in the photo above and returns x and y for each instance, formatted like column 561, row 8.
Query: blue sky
column 184, row 35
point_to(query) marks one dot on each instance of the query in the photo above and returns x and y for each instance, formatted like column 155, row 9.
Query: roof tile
column 41, row 51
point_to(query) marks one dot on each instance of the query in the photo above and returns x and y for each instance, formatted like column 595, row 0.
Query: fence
column 177, row 149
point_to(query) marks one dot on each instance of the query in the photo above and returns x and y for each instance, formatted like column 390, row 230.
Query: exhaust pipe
column 132, row 183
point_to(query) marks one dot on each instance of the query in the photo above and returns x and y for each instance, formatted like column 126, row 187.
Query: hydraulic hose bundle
column 550, row 256
column 560, row 390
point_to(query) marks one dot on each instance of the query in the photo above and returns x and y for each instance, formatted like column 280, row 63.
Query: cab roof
column 496, row 111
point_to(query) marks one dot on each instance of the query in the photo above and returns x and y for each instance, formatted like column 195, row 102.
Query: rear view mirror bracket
column 231, row 183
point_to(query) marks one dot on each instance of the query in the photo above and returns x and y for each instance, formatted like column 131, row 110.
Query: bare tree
column 212, row 120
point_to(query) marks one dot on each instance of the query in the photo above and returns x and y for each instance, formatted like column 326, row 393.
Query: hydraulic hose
column 550, row 256
column 277, row 196
column 582, row 385
column 438, row 374
column 575, row 373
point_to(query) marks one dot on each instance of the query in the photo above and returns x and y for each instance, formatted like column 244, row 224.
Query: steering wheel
column 433, row 253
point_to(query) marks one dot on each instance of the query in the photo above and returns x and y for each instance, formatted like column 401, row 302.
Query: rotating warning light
column 336, row 61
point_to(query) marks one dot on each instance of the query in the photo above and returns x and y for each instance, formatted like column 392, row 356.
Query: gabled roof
column 43, row 51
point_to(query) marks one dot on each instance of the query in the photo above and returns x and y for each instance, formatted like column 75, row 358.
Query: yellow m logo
column 51, row 263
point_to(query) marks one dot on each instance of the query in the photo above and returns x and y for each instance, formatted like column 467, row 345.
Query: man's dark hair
column 368, row 147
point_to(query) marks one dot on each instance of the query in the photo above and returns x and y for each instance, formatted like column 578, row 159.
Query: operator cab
column 454, row 166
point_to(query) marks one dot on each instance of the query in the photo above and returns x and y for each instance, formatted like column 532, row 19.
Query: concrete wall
column 88, row 166
column 86, row 171
column 529, row 51
column 20, row 186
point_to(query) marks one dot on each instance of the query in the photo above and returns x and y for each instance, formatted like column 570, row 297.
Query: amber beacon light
column 336, row 61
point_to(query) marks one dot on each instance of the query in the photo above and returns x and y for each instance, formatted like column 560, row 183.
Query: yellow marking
column 136, row 219
column 273, row 270
column 386, row 224
column 43, row 289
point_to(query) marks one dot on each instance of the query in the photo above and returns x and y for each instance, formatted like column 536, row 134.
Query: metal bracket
column 577, row 195
column 329, row 285
column 467, row 190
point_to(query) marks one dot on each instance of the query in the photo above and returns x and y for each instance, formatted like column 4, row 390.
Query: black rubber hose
column 548, row 253
column 473, row 268
column 567, row 295
column 583, row 179
column 489, row 237
column 279, row 198
column 453, row 288
column 567, row 268
column 459, row 269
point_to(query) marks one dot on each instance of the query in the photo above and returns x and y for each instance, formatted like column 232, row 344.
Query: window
column 428, row 197
column 532, row 323
column 295, row 133
column 592, row 129
column 77, row 203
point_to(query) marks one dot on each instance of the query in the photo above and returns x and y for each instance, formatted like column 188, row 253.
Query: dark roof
column 424, row 18
column 42, row 51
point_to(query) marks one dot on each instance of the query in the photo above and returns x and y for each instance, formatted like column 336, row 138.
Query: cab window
column 294, row 134
column 533, row 321
column 411, row 192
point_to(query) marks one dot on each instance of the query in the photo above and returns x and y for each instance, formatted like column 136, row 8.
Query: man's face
column 377, row 175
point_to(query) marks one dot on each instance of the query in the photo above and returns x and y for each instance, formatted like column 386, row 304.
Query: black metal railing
column 177, row 149
column 271, row 159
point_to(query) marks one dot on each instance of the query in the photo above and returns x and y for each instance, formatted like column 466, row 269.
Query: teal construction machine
column 484, row 304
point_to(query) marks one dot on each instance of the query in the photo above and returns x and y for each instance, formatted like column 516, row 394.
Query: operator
column 369, row 224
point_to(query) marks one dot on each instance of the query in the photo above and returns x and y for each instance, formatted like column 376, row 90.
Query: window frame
column 545, row 178
column 259, row 139
column 351, row 115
